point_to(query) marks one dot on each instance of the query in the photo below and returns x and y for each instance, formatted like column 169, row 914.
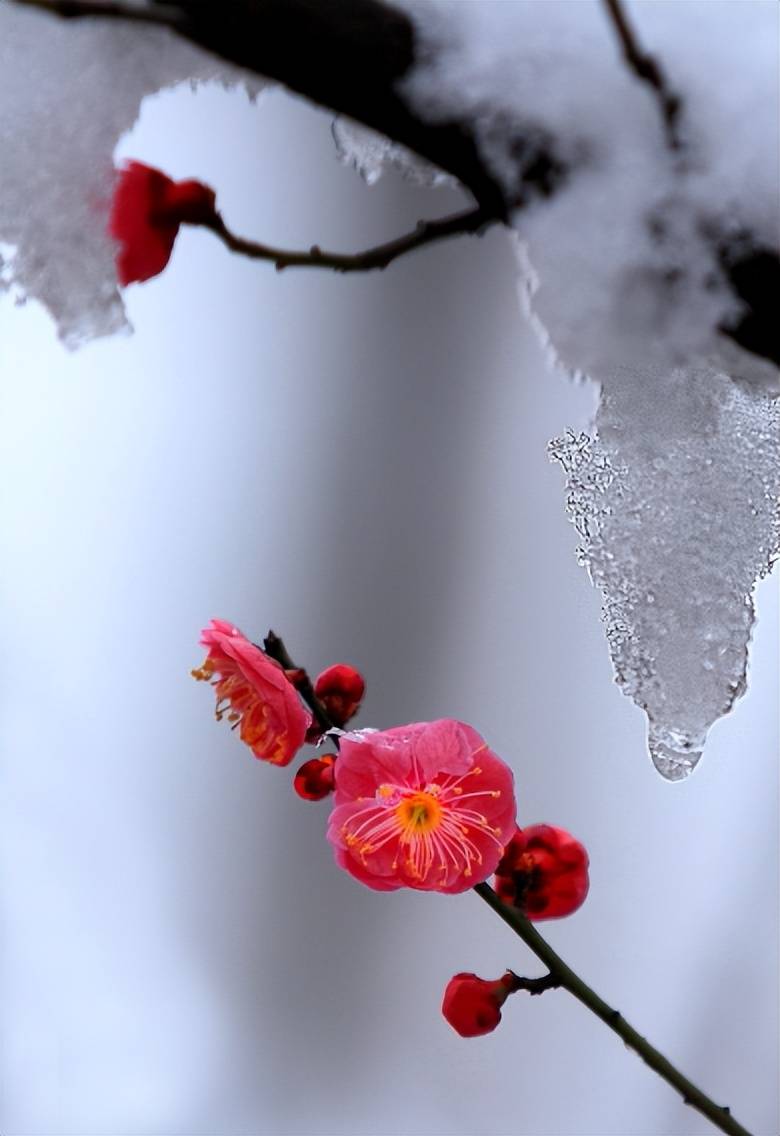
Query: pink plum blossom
column 424, row 806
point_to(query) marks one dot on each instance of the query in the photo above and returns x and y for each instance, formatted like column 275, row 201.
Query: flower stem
column 566, row 978
column 514, row 983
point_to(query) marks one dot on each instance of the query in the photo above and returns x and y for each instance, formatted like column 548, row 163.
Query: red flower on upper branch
column 261, row 699
column 544, row 872
column 146, row 211
column 424, row 806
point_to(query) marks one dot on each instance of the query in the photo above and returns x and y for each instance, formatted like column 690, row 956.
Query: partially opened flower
column 472, row 1005
column 146, row 211
column 261, row 700
column 544, row 872
column 424, row 806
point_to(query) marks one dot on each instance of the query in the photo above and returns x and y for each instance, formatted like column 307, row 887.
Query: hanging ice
column 675, row 535
column 68, row 90
column 626, row 247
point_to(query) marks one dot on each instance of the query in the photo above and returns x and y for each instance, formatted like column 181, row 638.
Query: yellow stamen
column 418, row 814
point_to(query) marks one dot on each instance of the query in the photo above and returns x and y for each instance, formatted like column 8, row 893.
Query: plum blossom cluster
column 427, row 805
column 260, row 698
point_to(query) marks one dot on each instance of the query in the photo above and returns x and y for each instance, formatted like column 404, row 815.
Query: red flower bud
column 472, row 1005
column 340, row 689
column 146, row 212
column 544, row 872
column 315, row 779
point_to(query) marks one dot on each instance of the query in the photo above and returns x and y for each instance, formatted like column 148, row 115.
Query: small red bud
column 340, row 689
column 316, row 778
column 472, row 1005
column 147, row 210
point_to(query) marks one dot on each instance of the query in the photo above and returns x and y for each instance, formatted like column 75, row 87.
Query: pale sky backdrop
column 360, row 464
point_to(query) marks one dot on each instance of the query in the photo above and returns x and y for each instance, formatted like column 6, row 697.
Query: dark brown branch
column 350, row 56
column 469, row 221
column 648, row 69
column 274, row 647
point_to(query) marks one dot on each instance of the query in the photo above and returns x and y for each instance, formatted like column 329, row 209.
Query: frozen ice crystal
column 675, row 500
column 371, row 154
column 68, row 90
column 674, row 492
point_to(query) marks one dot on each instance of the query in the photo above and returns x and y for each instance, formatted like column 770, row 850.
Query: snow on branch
column 347, row 55
column 651, row 266
column 353, row 56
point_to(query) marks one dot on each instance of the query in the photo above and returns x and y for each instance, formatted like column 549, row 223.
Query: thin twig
column 720, row 1116
column 274, row 647
column 161, row 15
column 647, row 68
column 534, row 985
column 468, row 221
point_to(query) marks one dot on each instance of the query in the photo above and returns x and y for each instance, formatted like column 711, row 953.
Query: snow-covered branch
column 347, row 55
column 651, row 268
column 353, row 57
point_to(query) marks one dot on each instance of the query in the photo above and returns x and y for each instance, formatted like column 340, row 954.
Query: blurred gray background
column 359, row 463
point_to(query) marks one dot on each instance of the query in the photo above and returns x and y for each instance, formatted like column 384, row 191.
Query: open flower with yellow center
column 424, row 806
column 254, row 693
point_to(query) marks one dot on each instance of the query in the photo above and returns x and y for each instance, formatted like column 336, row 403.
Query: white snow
column 675, row 494
column 68, row 90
